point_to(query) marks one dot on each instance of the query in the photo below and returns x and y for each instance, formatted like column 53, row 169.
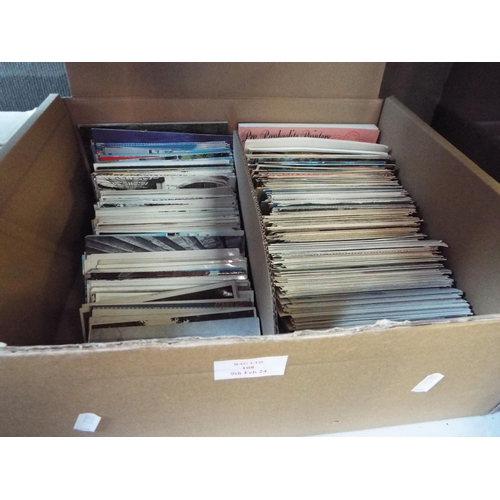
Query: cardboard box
column 335, row 381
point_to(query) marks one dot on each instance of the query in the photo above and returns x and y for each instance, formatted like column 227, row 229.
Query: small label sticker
column 428, row 383
column 87, row 422
column 269, row 366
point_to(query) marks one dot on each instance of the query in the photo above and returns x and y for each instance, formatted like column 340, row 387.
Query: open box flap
column 225, row 80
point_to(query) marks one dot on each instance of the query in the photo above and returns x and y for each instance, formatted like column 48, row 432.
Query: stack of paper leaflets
column 344, row 237
column 168, row 250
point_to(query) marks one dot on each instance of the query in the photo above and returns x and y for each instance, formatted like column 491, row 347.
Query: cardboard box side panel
column 256, row 252
column 15, row 157
column 459, row 203
column 223, row 80
column 35, row 284
column 330, row 384
column 102, row 110
column 42, row 215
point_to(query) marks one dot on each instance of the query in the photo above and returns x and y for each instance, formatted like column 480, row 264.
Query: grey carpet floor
column 24, row 85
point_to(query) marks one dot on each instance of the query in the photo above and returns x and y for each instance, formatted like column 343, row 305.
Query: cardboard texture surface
column 43, row 209
column 459, row 203
column 225, row 80
column 124, row 110
column 257, row 255
column 331, row 383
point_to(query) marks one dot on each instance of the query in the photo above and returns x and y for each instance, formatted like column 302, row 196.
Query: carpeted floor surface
column 24, row 85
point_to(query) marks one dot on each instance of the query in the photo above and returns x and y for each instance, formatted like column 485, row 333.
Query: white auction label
column 428, row 383
column 87, row 422
column 269, row 366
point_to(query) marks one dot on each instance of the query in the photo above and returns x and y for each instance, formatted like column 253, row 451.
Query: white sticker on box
column 87, row 422
column 428, row 383
column 250, row 368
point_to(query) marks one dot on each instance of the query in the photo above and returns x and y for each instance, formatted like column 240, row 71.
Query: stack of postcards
column 168, row 250
column 344, row 237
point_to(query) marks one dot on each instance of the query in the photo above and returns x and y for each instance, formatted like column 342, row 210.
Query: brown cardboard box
column 335, row 381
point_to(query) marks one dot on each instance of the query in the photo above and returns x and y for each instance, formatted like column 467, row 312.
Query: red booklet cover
column 348, row 132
